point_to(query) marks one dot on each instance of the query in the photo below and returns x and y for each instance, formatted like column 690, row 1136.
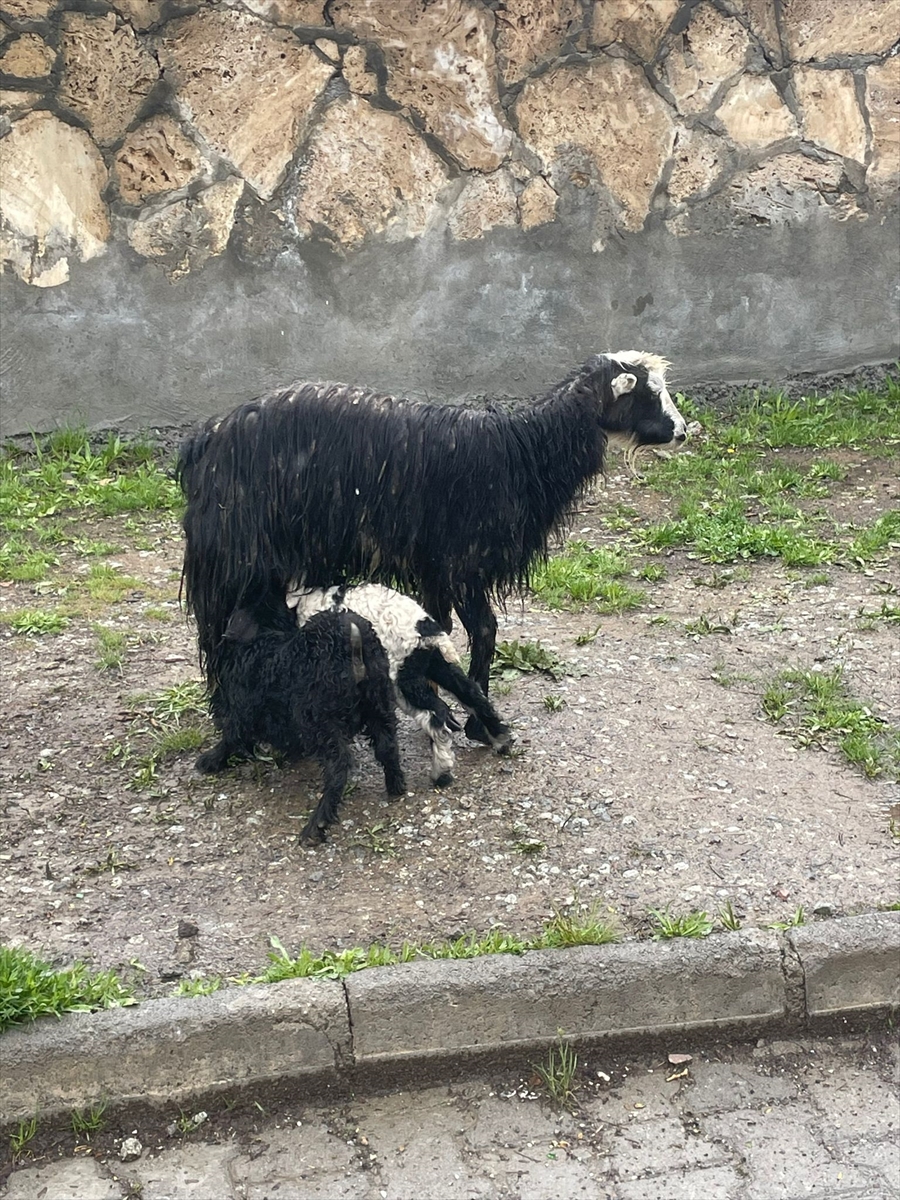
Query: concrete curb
column 320, row 1032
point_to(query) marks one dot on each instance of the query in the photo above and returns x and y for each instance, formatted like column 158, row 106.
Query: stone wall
column 437, row 196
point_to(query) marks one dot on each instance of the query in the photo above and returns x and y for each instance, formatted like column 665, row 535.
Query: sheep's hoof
column 395, row 788
column 312, row 833
column 476, row 732
column 210, row 763
column 443, row 780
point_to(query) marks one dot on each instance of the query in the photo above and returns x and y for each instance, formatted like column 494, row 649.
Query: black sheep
column 321, row 484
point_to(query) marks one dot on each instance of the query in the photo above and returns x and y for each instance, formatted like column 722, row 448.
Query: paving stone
column 69, row 1179
column 643, row 1095
column 538, row 1176
column 715, row 1183
column 294, row 1160
column 183, row 1173
column 720, row 1087
column 643, row 1147
column 856, row 1104
column 880, row 1157
column 517, row 1123
column 430, row 1166
column 783, row 1158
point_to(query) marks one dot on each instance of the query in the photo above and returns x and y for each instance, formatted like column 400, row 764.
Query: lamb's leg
column 448, row 676
column 419, row 701
column 335, row 759
column 480, row 624
column 383, row 736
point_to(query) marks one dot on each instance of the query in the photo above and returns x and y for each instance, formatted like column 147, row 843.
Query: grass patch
column 21, row 1137
column 561, row 931
column 23, row 563
column 32, row 988
column 557, row 1074
column 64, row 470
column 111, row 644
column 736, row 500
column 88, row 1121
column 108, row 586
column 816, row 708
column 667, row 925
column 35, row 622
column 584, row 575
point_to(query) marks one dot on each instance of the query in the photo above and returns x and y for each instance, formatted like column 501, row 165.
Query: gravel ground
column 658, row 782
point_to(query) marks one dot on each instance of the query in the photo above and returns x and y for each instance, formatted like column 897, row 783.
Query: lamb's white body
column 394, row 617
column 409, row 637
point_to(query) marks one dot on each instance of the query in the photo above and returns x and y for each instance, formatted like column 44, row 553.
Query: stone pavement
column 774, row 1120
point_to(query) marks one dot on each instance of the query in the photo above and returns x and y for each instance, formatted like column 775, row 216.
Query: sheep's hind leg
column 211, row 762
column 335, row 761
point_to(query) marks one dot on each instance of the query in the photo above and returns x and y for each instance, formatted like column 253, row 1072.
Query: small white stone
column 130, row 1149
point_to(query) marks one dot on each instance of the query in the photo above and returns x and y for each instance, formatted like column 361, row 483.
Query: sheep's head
column 641, row 412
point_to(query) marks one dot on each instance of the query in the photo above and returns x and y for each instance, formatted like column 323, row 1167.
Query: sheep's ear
column 241, row 627
column 623, row 383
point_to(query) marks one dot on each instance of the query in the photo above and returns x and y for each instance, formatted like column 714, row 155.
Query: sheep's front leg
column 480, row 624
column 419, row 701
column 335, row 760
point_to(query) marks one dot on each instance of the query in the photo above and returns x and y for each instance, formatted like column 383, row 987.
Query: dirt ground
column 656, row 782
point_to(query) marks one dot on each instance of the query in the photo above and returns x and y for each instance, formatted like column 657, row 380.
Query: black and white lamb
column 324, row 483
column 306, row 692
column 420, row 655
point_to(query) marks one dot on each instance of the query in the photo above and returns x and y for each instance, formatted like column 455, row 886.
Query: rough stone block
column 167, row 1050
column 851, row 964
column 422, row 1009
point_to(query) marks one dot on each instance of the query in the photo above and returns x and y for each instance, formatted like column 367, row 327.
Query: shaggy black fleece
column 318, row 484
column 306, row 692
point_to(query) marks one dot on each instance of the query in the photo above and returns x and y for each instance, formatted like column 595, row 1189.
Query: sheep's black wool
column 318, row 484
column 307, row 692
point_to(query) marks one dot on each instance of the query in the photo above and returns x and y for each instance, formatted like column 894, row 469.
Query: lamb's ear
column 242, row 626
column 623, row 383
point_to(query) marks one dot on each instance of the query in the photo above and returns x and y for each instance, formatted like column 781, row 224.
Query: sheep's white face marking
column 657, row 384
column 623, row 383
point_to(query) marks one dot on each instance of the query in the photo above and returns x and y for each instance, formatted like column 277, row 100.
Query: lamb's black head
column 640, row 411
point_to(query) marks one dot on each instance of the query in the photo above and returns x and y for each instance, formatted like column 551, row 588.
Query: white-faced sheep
column 420, row 655
column 325, row 484
column 306, row 692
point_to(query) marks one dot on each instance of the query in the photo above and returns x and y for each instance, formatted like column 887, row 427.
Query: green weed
column 35, row 622
column 112, row 645
column 87, row 1122
column 558, row 1073
column 666, row 925
column 24, row 1133
column 818, row 710
column 199, row 987
column 31, row 988
column 729, row 917
column 526, row 657
column 797, row 917
column 589, row 929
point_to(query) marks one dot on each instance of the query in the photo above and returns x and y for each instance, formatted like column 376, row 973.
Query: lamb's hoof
column 504, row 741
column 443, row 780
column 476, row 732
